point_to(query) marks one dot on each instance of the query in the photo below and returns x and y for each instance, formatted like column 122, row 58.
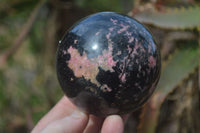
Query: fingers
column 113, row 124
column 62, row 109
column 74, row 123
column 61, row 119
column 94, row 124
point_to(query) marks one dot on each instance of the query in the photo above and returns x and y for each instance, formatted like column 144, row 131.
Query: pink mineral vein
column 113, row 21
column 64, row 52
column 152, row 61
column 88, row 68
column 131, row 39
column 124, row 28
column 111, row 28
column 123, row 77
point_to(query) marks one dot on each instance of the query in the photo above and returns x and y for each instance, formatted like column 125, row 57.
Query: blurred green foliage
column 106, row 5
column 28, row 82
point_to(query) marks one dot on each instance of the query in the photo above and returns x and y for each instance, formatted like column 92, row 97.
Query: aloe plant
column 182, row 63
column 171, row 18
column 177, row 68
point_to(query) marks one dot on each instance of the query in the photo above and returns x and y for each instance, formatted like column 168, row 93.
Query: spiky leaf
column 178, row 18
column 182, row 63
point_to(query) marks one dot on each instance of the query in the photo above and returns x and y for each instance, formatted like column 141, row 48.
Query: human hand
column 64, row 117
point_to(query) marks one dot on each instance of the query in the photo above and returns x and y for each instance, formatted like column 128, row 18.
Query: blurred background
column 29, row 34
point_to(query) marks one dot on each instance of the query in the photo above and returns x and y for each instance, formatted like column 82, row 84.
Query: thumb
column 74, row 123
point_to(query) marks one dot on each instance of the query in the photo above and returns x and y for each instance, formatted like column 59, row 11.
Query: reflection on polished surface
column 95, row 46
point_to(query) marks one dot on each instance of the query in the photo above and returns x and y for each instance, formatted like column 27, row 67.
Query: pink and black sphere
column 108, row 63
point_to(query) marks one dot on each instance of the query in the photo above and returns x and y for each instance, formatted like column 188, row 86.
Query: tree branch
column 22, row 36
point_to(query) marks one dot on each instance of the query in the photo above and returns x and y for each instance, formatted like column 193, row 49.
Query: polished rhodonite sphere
column 108, row 63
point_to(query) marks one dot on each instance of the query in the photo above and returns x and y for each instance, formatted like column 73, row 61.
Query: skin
column 64, row 117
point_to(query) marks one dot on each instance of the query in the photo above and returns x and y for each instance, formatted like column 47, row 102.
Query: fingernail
column 77, row 114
